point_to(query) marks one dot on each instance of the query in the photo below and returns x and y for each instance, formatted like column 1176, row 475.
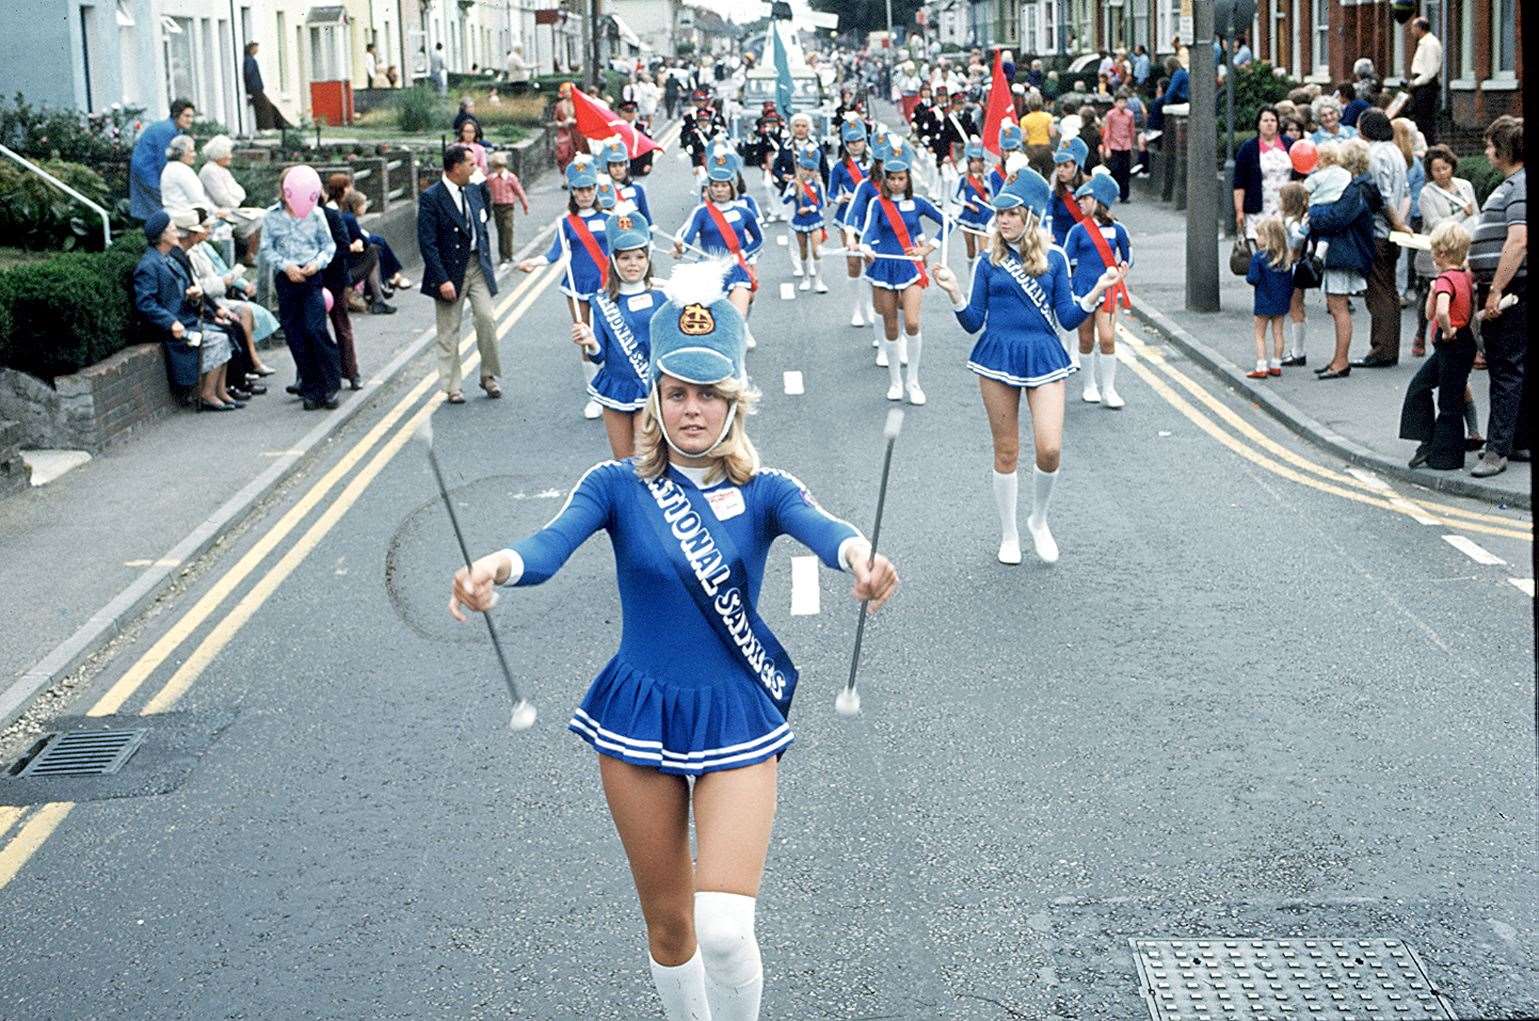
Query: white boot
column 887, row 355
column 817, row 277
column 1006, row 488
column 806, row 284
column 592, row 409
column 1092, row 393
column 915, row 345
column 1110, row 398
column 1036, row 523
column 1298, row 340
column 796, row 262
column 857, row 313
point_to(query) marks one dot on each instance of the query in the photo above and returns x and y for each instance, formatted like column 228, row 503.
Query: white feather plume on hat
column 697, row 283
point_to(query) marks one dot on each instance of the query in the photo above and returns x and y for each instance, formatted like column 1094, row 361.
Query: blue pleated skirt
column 1027, row 361
column 682, row 729
column 618, row 389
column 893, row 274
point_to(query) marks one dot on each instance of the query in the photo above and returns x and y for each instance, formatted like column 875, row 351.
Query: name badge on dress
column 727, row 503
column 907, row 205
column 637, row 302
column 732, row 216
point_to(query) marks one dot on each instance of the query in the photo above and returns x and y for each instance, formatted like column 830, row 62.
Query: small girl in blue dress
column 618, row 161
column 810, row 201
column 1271, row 275
column 854, row 220
column 975, row 197
column 722, row 225
column 844, row 179
column 1096, row 198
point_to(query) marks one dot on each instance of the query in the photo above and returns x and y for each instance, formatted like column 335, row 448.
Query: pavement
column 1265, row 693
column 1357, row 418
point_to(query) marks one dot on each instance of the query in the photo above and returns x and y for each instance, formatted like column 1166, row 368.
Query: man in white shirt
column 1426, row 67
column 370, row 66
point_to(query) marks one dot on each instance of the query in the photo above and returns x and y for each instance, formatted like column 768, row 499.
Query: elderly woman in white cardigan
column 226, row 193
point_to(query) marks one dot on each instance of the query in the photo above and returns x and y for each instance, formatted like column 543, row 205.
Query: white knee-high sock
column 894, row 361
column 1042, row 484
column 1298, row 340
column 1108, row 368
column 915, row 347
column 878, row 330
column 1090, row 366
column 734, row 973
column 1006, row 494
column 682, row 989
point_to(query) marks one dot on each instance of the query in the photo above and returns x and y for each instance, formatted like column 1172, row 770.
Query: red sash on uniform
column 978, row 187
column 729, row 238
column 590, row 243
column 812, row 199
column 855, row 172
column 1116, row 294
column 900, row 231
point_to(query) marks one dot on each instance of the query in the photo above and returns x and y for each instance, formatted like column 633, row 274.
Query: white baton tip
column 523, row 716
column 847, row 702
column 424, row 433
column 894, row 424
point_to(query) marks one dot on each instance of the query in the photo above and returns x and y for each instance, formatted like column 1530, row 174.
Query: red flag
column 999, row 105
column 596, row 122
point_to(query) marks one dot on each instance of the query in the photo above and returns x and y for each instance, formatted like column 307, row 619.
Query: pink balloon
column 301, row 190
column 330, row 301
column 1304, row 155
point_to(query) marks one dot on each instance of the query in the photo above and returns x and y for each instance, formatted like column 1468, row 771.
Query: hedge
column 36, row 215
column 60, row 315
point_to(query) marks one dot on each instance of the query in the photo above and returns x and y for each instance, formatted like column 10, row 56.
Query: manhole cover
column 83, row 753
column 1285, row 980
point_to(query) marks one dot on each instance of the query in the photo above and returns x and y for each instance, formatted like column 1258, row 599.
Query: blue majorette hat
column 1009, row 137
column 880, row 143
column 605, row 197
column 1100, row 187
column 854, row 130
column 807, row 157
column 973, row 150
column 696, row 335
column 899, row 154
column 1024, row 187
column 722, row 165
column 615, row 152
column 1072, row 151
column 625, row 231
column 580, row 173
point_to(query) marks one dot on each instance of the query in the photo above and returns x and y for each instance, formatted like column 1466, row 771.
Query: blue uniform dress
column 1085, row 262
column 976, row 214
column 680, row 695
column 996, row 180
column 636, row 195
column 585, row 275
column 623, row 329
column 700, row 230
column 895, row 274
column 751, row 204
column 1062, row 216
column 855, row 213
column 842, row 184
column 1019, row 342
column 796, row 198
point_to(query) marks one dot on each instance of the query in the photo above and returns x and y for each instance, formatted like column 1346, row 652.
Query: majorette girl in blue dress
column 1089, row 255
column 854, row 220
column 847, row 175
column 975, row 198
column 630, row 194
column 721, row 225
column 808, row 200
column 1021, row 297
column 580, row 241
column 700, row 687
column 892, row 229
column 619, row 337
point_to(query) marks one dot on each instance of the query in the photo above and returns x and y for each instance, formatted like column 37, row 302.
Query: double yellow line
column 403, row 418
column 1255, row 446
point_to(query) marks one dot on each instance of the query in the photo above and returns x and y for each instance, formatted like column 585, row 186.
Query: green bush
column 1479, row 172
column 41, row 132
column 1255, row 86
column 36, row 215
column 70, row 311
column 420, row 109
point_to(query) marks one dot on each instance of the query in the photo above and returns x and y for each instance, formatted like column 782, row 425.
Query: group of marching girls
column 700, row 688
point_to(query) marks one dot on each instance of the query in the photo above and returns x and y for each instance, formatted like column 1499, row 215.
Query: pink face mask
column 301, row 191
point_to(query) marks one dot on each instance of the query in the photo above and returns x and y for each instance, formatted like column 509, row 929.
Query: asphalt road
column 1256, row 697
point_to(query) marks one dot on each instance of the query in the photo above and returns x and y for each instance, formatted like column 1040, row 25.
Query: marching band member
column 975, row 197
column 855, row 219
column 810, row 201
column 846, row 176
column 1094, row 244
column 626, row 191
column 720, row 224
column 1067, row 177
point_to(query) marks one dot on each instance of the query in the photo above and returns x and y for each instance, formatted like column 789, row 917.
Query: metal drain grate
column 1286, row 980
column 84, row 753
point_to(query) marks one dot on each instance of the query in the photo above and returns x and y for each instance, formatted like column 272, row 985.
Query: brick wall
column 91, row 409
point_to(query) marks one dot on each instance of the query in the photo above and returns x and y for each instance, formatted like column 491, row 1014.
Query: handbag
column 1239, row 258
column 1309, row 273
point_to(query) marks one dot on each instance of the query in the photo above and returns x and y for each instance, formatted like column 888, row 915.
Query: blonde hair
column 1405, row 138
column 1328, row 154
column 735, row 457
column 1354, row 156
column 1272, row 241
column 1032, row 246
column 1450, row 242
column 1294, row 200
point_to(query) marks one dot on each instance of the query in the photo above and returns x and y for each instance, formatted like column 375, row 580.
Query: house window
column 1140, row 23
column 1168, row 24
column 1320, row 53
column 1504, row 40
column 283, row 55
column 1031, row 28
column 181, row 79
column 1466, row 68
column 1050, row 27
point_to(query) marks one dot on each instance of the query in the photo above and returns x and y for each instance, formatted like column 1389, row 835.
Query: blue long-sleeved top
column 663, row 633
column 1062, row 216
column 1180, row 88
column 996, row 181
column 997, row 305
column 751, row 204
column 1085, row 262
column 855, row 212
column 878, row 233
column 700, row 229
column 289, row 242
column 842, row 183
column 798, row 200
column 976, row 208
column 148, row 160
column 637, row 196
column 586, row 274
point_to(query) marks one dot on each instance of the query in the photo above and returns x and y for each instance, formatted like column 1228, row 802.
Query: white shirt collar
column 635, row 288
column 454, row 189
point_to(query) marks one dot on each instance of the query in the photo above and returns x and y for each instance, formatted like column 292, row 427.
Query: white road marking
column 793, row 383
column 1370, row 479
column 1524, row 585
column 788, row 292
column 282, row 453
column 806, row 597
column 780, row 239
column 1473, row 550
column 1410, row 510
column 150, row 563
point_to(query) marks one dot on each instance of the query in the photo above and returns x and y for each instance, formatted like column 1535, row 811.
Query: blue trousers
column 389, row 265
column 302, row 311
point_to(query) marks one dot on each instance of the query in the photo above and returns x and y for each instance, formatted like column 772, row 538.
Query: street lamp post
column 1201, row 156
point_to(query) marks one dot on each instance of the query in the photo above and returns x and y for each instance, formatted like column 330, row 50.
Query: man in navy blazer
column 457, row 266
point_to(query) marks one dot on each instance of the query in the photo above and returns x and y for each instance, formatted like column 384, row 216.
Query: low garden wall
column 90, row 409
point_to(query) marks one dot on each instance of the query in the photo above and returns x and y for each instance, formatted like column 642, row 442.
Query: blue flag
column 782, row 72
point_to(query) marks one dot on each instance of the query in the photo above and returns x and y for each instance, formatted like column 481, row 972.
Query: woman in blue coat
column 618, row 339
column 1021, row 297
column 895, row 251
column 699, row 686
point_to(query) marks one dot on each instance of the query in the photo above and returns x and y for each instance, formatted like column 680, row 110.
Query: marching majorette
column 810, row 201
column 783, row 171
column 1010, row 142
column 844, row 179
column 855, row 219
column 975, row 197
column 722, row 224
column 699, row 687
column 892, row 229
column 618, row 339
column 581, row 243
column 1068, row 175
column 1098, row 242
column 628, row 194
column 1021, row 297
